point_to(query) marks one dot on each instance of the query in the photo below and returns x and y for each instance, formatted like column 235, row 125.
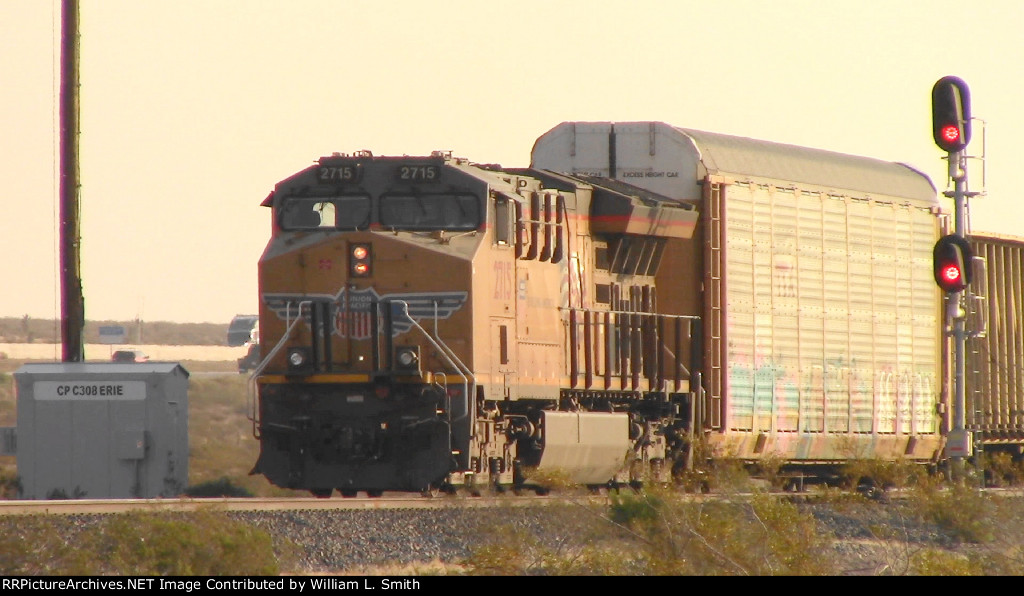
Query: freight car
column 994, row 368
column 822, row 338
column 429, row 323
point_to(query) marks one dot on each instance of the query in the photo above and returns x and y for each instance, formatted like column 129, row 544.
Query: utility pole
column 72, row 303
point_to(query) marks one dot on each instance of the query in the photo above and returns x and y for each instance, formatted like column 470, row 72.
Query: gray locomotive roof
column 739, row 156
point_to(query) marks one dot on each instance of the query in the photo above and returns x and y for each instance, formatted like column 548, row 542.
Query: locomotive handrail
column 451, row 353
column 444, row 350
column 251, row 382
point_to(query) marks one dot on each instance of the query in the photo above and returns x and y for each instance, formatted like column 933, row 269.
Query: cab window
column 310, row 213
column 433, row 211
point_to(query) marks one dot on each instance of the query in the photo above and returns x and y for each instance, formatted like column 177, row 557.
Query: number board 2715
column 418, row 173
column 335, row 174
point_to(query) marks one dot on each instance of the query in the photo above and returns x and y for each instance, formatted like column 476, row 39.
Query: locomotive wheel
column 374, row 494
column 321, row 493
column 348, row 494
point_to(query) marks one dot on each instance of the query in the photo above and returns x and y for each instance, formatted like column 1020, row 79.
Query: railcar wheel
column 348, row 494
column 321, row 493
column 374, row 494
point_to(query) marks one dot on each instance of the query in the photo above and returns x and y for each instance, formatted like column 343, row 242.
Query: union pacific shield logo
column 352, row 313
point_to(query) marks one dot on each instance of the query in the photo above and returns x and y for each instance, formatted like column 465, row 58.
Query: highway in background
column 102, row 352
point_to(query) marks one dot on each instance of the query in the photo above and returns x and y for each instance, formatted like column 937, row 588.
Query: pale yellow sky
column 193, row 109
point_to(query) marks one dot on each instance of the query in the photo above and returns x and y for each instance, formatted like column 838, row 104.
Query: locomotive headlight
column 407, row 357
column 359, row 260
column 298, row 359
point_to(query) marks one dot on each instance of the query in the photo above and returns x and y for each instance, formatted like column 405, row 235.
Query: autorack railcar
column 822, row 333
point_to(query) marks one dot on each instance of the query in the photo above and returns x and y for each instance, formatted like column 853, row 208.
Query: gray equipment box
column 102, row 430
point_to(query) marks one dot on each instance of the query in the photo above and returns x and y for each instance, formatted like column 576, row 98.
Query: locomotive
column 428, row 323
column 413, row 317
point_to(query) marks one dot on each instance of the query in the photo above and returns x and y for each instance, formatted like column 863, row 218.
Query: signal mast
column 951, row 130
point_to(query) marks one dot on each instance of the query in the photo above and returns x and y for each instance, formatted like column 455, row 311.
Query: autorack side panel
column 831, row 325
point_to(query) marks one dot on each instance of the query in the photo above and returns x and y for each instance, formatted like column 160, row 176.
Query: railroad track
column 398, row 501
column 83, row 506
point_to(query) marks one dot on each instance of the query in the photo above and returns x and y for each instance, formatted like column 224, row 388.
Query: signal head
column 951, row 114
column 952, row 258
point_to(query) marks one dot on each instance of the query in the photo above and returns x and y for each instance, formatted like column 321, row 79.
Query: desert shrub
column 35, row 545
column 1001, row 469
column 222, row 487
column 964, row 512
column 203, row 543
column 935, row 561
column 7, row 400
column 10, row 483
column 712, row 470
column 221, row 443
column 665, row 532
column 634, row 509
column 764, row 535
column 728, row 475
column 882, row 473
column 769, row 468
column 59, row 494
column 548, row 479
column 575, row 540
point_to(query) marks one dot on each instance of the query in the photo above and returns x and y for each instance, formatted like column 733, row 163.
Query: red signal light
column 951, row 134
column 951, row 274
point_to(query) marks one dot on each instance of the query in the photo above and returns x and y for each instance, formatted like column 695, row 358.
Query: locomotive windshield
column 430, row 212
column 342, row 213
